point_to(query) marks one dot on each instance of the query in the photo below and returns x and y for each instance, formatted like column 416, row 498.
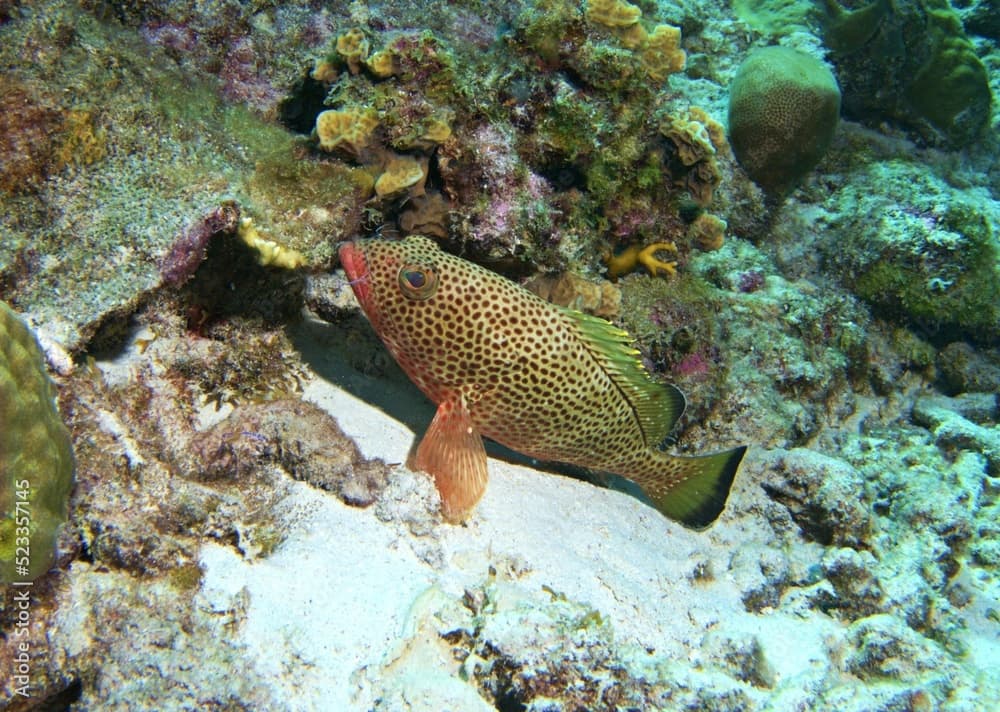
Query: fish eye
column 417, row 282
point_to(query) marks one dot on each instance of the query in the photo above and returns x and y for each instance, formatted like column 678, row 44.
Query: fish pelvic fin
column 694, row 490
column 452, row 453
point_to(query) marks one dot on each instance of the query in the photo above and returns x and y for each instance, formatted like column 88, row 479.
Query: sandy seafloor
column 243, row 532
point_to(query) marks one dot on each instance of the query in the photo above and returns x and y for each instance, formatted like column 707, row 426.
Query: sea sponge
column 36, row 457
column 661, row 55
column 401, row 173
column 634, row 256
column 784, row 106
column 353, row 47
column 349, row 131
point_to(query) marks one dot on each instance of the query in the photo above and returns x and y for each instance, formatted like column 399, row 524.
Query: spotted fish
column 546, row 381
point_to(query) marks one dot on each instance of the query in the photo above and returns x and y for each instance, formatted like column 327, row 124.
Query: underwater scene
column 468, row 355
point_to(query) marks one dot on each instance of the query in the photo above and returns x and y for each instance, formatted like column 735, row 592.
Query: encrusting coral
column 697, row 140
column 613, row 13
column 36, row 457
column 601, row 299
column 425, row 215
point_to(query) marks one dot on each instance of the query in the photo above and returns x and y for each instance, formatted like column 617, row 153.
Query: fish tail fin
column 694, row 489
column 452, row 452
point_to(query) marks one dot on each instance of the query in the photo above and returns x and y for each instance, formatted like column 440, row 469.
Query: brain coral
column 783, row 108
column 36, row 458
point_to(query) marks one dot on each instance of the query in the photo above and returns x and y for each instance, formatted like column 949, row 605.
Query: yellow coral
column 691, row 139
column 349, row 131
column 662, row 54
column 382, row 64
column 401, row 172
column 353, row 47
column 635, row 255
column 436, row 130
column 716, row 131
column 707, row 232
column 429, row 133
column 696, row 152
column 269, row 252
column 659, row 52
column 613, row 13
column 633, row 36
column 324, row 71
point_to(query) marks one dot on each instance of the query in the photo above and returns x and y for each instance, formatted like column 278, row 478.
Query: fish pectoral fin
column 452, row 453
column 694, row 490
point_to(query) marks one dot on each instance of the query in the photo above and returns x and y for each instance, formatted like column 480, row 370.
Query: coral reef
column 905, row 62
column 239, row 484
column 784, row 106
column 36, row 457
column 927, row 258
column 913, row 65
column 157, row 149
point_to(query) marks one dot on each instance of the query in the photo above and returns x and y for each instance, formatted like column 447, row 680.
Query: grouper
column 546, row 381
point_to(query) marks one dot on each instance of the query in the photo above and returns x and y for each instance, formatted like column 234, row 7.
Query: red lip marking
column 353, row 260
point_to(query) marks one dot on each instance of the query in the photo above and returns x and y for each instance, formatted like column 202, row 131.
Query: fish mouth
column 352, row 258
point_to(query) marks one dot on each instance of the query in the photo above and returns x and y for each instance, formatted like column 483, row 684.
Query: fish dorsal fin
column 657, row 406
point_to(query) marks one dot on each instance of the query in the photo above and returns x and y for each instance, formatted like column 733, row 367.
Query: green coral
column 951, row 89
column 784, row 106
column 36, row 458
column 909, row 62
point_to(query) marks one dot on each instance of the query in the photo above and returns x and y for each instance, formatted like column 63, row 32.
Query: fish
column 543, row 380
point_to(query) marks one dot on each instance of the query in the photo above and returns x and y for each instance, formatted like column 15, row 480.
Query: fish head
column 410, row 290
